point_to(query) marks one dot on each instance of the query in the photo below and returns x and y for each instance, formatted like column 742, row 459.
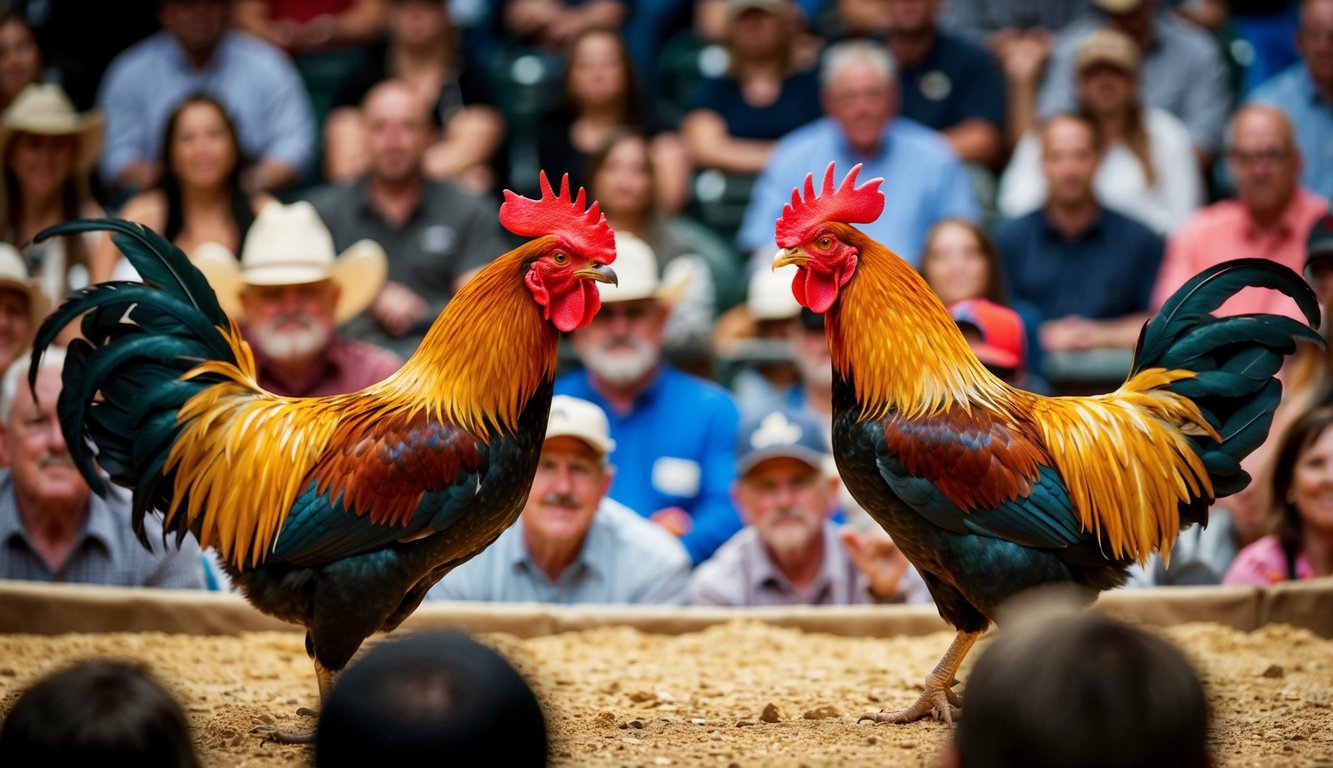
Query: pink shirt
column 1224, row 231
column 1263, row 563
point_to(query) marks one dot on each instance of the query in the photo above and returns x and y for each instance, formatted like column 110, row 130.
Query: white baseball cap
column 572, row 417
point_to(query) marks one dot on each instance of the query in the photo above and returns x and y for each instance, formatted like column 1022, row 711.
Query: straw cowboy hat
column 44, row 109
column 14, row 274
column 289, row 245
column 637, row 272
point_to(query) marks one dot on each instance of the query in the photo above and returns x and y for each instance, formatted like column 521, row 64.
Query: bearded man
column 290, row 292
column 674, row 433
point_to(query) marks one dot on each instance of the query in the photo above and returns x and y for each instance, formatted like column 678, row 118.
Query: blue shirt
column 257, row 83
column 923, row 182
column 625, row 559
column 796, row 105
column 1293, row 91
column 675, row 448
column 957, row 81
column 1107, row 271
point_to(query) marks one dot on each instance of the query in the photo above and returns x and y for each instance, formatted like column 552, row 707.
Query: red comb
column 848, row 203
column 586, row 232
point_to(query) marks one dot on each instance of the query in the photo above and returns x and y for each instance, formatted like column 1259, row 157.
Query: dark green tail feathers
column 1237, row 358
column 122, row 379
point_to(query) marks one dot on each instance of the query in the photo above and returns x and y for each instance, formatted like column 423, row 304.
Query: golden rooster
column 990, row 490
column 337, row 513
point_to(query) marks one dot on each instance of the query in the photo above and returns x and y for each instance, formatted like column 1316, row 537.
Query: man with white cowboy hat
column 572, row 543
column 290, row 292
column 22, row 305
column 674, row 433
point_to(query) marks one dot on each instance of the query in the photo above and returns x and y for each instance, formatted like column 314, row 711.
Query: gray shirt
column 742, row 574
column 106, row 551
column 625, row 559
column 449, row 233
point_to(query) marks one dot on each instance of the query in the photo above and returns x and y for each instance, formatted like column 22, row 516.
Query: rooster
column 336, row 513
column 990, row 490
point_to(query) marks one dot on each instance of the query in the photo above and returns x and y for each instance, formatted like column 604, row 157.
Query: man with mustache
column 290, row 292
column 52, row 527
column 791, row 552
column 674, row 432
column 572, row 544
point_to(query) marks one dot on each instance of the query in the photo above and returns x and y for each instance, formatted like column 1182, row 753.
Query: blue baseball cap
column 784, row 432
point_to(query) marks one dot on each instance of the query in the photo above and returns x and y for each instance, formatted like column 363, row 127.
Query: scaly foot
column 937, row 701
column 279, row 736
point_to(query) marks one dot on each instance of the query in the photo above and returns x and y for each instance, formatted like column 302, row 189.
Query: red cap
column 1001, row 331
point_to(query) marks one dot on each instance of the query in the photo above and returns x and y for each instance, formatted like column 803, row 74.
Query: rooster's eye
column 824, row 242
column 560, row 258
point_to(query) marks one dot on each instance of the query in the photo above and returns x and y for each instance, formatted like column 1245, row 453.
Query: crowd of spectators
column 1053, row 169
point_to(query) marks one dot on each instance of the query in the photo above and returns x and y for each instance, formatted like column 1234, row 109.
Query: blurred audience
column 859, row 92
column 572, row 544
column 422, row 50
column 21, row 62
column 199, row 196
column 430, row 698
column 1182, row 69
column 755, row 337
column 995, row 335
column 49, row 152
column 553, row 24
column 1086, row 268
column 1270, row 218
column 53, row 528
column 790, row 552
column 98, row 711
column 299, row 26
column 988, row 21
column 1126, row 698
column 290, row 292
column 435, row 232
column 947, row 82
column 1301, row 546
column 676, row 471
column 199, row 50
column 23, row 305
column 1147, row 169
column 1304, row 92
column 768, row 90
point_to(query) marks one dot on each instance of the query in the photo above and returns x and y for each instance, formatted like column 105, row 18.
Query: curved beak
column 601, row 273
column 787, row 256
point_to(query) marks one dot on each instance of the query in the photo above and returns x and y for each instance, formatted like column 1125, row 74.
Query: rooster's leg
column 938, row 698
column 278, row 736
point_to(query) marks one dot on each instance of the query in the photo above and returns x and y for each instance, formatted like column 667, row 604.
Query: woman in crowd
column 1302, row 491
column 23, row 305
column 199, row 197
column 49, row 152
column 20, row 58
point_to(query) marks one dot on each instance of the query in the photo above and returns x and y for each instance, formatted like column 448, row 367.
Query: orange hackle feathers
column 847, row 203
column 558, row 215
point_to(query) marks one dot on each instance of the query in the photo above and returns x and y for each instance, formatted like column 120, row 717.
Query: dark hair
column 599, row 157
column 1082, row 689
column 1295, row 441
column 12, row 15
column 430, row 698
column 994, row 284
column 98, row 712
column 633, row 105
column 237, row 200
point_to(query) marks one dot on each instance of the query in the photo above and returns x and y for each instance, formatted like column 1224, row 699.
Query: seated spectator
column 755, row 336
column 552, row 25
column 98, row 711
column 428, row 699
column 1087, row 269
column 733, row 122
column 48, row 152
column 947, row 82
column 1302, row 545
column 290, row 292
column 1182, row 70
column 1304, row 91
column 600, row 96
column 423, row 50
column 1270, row 218
column 790, row 552
column 995, row 335
column 1126, row 698
column 23, row 306
column 199, row 50
column 1147, row 169
column 572, row 544
column 20, row 58
column 673, row 469
column 859, row 93
column 313, row 25
column 52, row 526
column 198, row 198
column 436, row 233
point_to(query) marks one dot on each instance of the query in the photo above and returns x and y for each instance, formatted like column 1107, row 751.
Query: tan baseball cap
column 1107, row 46
column 572, row 417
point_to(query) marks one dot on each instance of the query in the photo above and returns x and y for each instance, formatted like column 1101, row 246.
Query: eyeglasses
column 1271, row 155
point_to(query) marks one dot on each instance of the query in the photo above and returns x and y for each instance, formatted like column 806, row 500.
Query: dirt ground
column 617, row 696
